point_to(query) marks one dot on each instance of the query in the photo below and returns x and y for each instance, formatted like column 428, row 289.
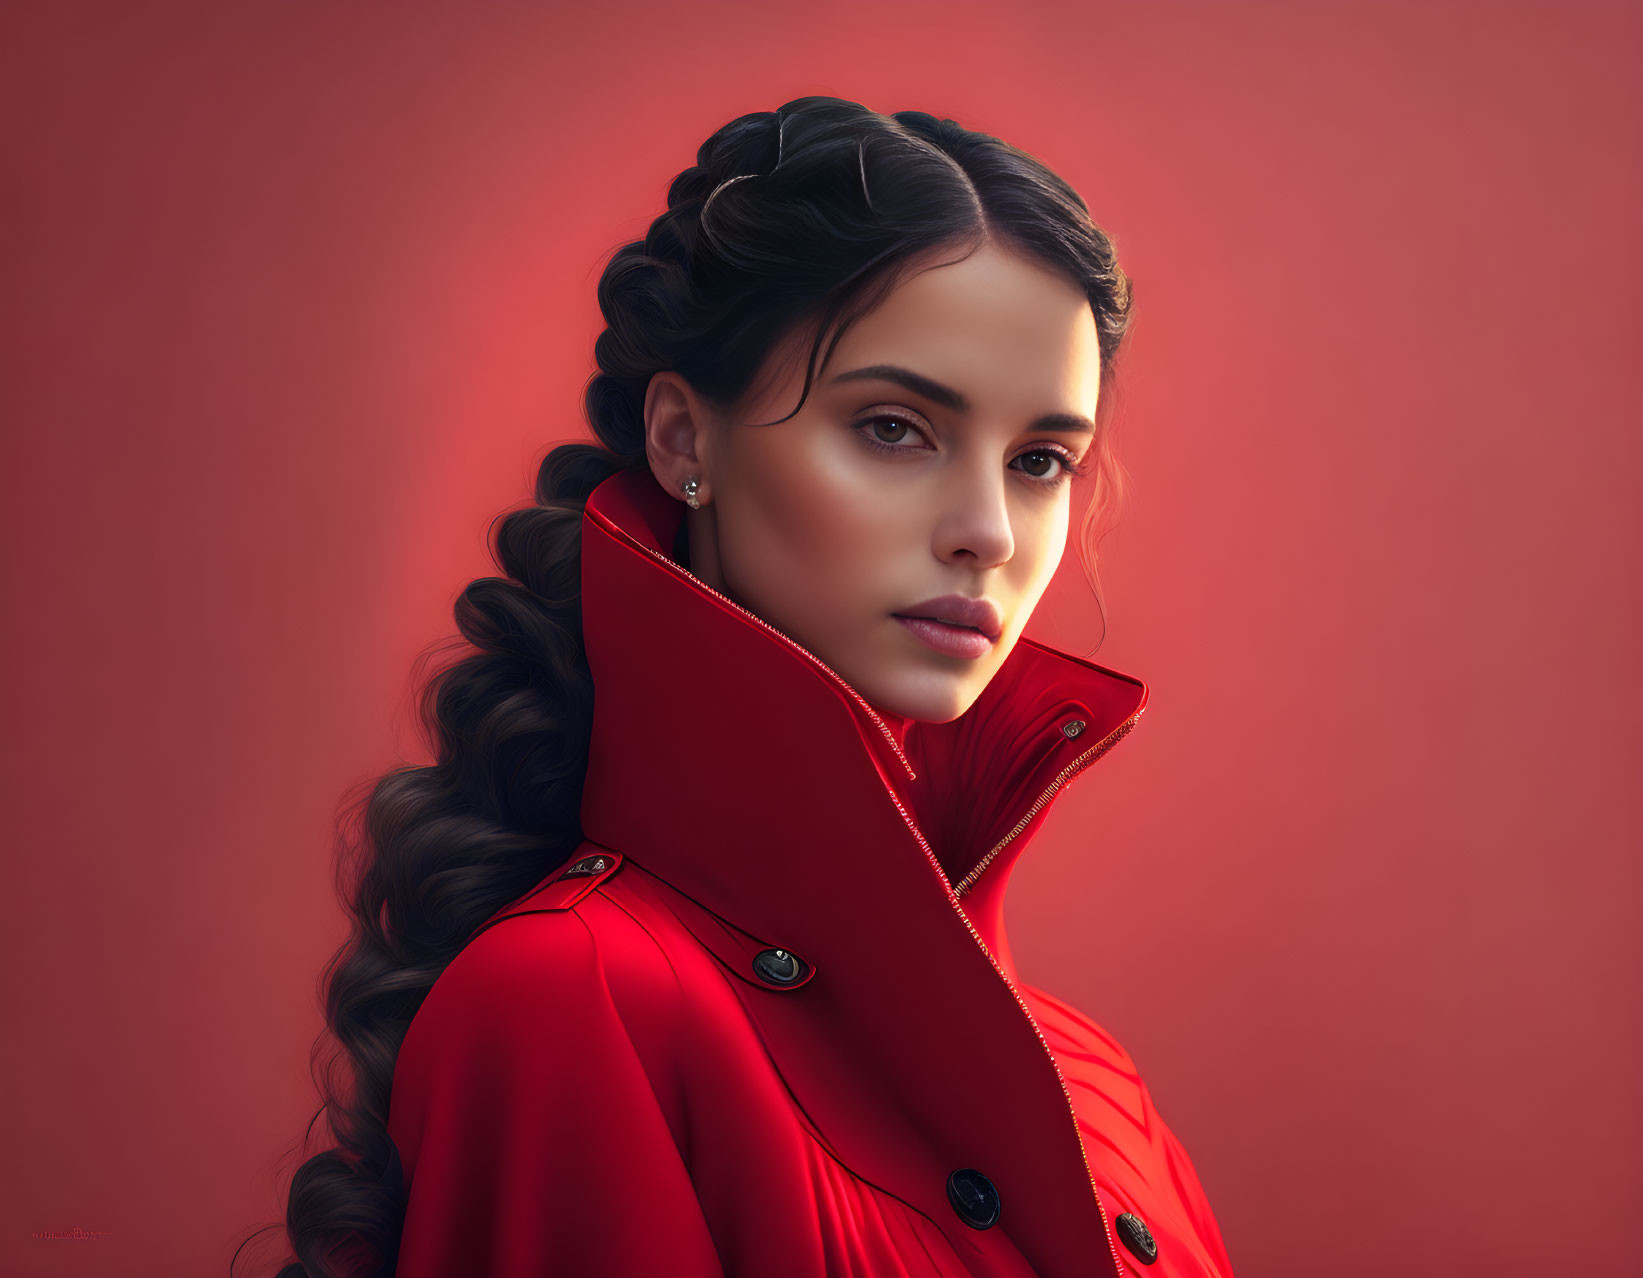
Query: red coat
column 765, row 1021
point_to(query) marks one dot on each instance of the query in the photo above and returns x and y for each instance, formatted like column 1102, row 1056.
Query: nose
column 975, row 520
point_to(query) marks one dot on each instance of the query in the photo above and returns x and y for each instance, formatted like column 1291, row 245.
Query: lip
column 959, row 610
column 949, row 641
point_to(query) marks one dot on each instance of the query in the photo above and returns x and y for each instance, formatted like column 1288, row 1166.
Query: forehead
column 1008, row 333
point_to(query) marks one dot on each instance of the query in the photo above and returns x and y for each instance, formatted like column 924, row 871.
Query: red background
column 298, row 294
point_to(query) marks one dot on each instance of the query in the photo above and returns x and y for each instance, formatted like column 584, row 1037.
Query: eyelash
column 1071, row 467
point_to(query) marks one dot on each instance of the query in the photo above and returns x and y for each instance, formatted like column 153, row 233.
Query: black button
column 973, row 1198
column 779, row 967
column 1137, row 1237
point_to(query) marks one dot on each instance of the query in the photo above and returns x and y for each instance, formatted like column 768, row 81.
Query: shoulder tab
column 563, row 888
column 568, row 886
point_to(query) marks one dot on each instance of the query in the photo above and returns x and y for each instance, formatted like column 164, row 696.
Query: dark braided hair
column 803, row 215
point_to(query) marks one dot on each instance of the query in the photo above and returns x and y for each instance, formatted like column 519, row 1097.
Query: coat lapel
column 730, row 763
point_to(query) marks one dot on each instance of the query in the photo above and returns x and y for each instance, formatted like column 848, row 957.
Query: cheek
column 1040, row 542
column 807, row 525
column 812, row 510
column 1049, row 536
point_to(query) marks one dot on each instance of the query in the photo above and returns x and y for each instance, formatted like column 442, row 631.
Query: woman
column 708, row 880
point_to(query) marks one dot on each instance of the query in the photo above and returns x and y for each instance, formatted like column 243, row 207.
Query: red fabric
column 602, row 1084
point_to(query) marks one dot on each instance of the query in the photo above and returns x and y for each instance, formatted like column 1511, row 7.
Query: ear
column 677, row 435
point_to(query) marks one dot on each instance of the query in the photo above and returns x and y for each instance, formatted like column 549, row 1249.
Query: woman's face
column 882, row 494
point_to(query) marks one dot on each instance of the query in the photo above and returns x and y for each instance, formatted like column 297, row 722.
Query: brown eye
column 898, row 435
column 1043, row 459
column 893, row 424
column 1066, row 466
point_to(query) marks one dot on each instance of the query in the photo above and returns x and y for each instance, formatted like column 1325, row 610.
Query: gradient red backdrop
column 298, row 294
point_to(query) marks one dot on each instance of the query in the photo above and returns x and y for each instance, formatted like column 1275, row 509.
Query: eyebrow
column 947, row 397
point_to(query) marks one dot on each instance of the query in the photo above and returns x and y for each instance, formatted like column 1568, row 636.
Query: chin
column 927, row 697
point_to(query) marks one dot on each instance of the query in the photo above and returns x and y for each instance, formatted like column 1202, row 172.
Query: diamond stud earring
column 690, row 487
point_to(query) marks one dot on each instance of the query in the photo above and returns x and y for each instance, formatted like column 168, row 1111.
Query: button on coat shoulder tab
column 581, row 876
column 566, row 887
column 749, row 958
column 781, row 969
